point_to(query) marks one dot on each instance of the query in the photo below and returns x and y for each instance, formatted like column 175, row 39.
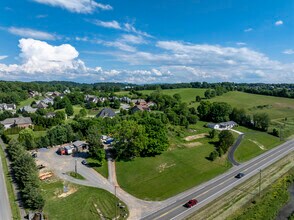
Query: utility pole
column 76, row 167
column 115, row 202
column 260, row 183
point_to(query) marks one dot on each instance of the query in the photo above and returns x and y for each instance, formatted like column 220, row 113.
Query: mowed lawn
column 188, row 94
column 254, row 143
column 78, row 205
column 174, row 171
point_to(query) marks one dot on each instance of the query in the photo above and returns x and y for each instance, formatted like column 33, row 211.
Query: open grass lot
column 254, row 143
column 174, row 171
column 26, row 102
column 187, row 94
column 36, row 133
column 78, row 205
column 103, row 170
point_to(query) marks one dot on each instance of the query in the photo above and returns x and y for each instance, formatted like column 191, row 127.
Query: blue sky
column 147, row 41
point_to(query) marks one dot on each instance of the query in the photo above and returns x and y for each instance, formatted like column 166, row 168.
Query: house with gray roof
column 28, row 109
column 21, row 122
column 7, row 107
column 106, row 112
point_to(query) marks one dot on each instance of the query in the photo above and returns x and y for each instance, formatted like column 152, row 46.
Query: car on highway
column 84, row 162
column 191, row 203
column 239, row 175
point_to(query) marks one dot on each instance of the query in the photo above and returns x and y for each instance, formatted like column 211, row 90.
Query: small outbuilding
column 80, row 145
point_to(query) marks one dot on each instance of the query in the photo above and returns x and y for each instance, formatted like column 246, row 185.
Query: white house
column 223, row 125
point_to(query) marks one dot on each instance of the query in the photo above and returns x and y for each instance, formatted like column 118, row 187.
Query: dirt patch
column 258, row 144
column 193, row 144
column 195, row 137
column 164, row 166
column 69, row 192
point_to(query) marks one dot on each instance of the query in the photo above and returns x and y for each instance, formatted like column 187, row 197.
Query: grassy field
column 36, row 133
column 103, row 170
column 26, row 102
column 11, row 195
column 187, row 94
column 276, row 107
column 254, row 143
column 182, row 167
column 80, row 204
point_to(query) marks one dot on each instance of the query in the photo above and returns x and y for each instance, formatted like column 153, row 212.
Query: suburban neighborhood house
column 106, row 112
column 140, row 108
column 7, row 107
column 21, row 122
column 223, row 125
column 28, row 109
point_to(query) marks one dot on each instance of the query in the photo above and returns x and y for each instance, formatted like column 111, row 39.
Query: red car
column 191, row 203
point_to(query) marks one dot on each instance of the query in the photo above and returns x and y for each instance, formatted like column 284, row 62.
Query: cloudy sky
column 154, row 41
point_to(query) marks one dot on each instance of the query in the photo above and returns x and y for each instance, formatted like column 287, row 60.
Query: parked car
column 191, row 203
column 84, row 162
column 108, row 141
column 239, row 175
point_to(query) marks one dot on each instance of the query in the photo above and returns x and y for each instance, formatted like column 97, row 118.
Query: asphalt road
column 5, row 211
column 220, row 185
column 233, row 149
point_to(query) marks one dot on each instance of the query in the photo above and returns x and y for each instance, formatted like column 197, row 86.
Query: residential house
column 50, row 115
column 21, row 122
column 223, row 125
column 139, row 101
column 67, row 91
column 28, row 109
column 34, row 94
column 41, row 104
column 48, row 101
column 137, row 108
column 91, row 98
column 106, row 112
column 7, row 107
column 125, row 99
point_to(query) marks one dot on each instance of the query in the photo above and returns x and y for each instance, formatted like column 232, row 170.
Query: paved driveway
column 61, row 164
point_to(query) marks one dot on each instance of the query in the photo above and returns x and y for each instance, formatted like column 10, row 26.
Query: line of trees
column 26, row 176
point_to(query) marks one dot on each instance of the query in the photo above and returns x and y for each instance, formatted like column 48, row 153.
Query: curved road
column 233, row 149
column 216, row 187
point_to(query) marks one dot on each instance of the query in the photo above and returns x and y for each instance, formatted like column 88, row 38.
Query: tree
column 207, row 94
column 226, row 140
column 27, row 138
column 83, row 112
column 130, row 139
column 115, row 104
column 213, row 155
column 212, row 133
column 69, row 109
column 97, row 153
column 275, row 132
column 198, row 98
column 177, row 96
column 204, row 110
column 220, row 111
column 261, row 121
column 93, row 137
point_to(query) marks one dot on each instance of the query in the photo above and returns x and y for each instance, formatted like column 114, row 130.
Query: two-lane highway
column 220, row 185
column 5, row 211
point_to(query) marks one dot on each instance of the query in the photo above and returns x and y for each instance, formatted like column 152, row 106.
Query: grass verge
column 76, row 175
column 80, row 202
column 11, row 195
column 103, row 170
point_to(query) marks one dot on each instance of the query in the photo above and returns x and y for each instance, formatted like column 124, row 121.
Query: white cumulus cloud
column 27, row 32
column 3, row 57
column 248, row 30
column 288, row 51
column 77, row 6
column 108, row 24
column 279, row 22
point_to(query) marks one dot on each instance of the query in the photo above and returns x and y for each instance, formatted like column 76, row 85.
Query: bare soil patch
column 69, row 192
column 258, row 144
column 193, row 144
column 195, row 137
